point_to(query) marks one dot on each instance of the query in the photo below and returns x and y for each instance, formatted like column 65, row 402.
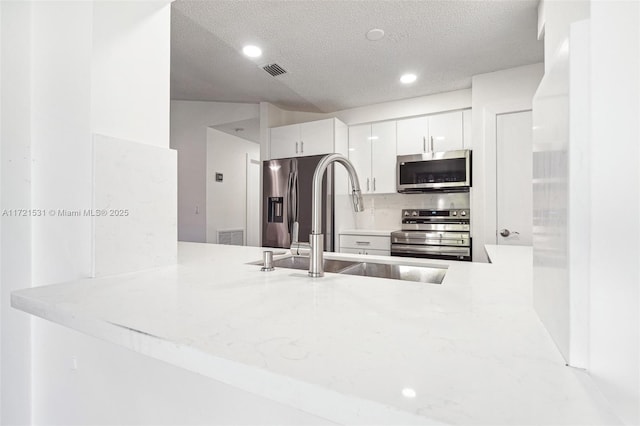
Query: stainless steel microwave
column 434, row 171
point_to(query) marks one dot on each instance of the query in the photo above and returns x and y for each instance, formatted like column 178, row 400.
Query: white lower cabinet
column 379, row 245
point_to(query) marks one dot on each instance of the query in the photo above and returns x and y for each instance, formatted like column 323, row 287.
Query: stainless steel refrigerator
column 287, row 199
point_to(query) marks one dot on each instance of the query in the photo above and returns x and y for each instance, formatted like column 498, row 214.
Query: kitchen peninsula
column 348, row 349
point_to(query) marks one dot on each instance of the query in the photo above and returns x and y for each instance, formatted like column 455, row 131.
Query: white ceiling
column 245, row 129
column 330, row 64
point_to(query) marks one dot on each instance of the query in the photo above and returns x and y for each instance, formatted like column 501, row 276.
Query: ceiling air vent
column 274, row 69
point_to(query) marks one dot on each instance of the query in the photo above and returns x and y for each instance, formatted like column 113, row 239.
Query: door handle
column 367, row 184
column 296, row 147
column 424, row 144
column 374, row 184
column 302, row 147
column 431, row 143
column 505, row 232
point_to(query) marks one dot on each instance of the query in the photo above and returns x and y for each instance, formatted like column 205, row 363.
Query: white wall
column 59, row 86
column 586, row 261
column 15, row 193
column 421, row 105
column 131, row 54
column 615, row 244
column 61, row 172
column 494, row 93
column 189, row 123
column 226, row 200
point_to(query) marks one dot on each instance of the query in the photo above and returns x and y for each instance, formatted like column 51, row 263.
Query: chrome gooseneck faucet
column 316, row 238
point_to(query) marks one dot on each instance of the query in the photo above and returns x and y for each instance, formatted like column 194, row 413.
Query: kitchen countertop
column 373, row 232
column 346, row 348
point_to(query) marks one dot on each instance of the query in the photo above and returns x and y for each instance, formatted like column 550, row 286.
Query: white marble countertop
column 353, row 350
column 374, row 232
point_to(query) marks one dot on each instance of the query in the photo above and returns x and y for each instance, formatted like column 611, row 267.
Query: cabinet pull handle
column 374, row 184
column 367, row 184
column 296, row 147
column 302, row 147
column 431, row 143
column 424, row 144
column 363, row 243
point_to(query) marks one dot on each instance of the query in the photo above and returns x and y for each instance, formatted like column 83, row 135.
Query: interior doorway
column 253, row 201
column 514, row 178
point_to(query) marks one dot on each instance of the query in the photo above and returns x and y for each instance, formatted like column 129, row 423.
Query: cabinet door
column 316, row 137
column 446, row 131
column 360, row 154
column 351, row 250
column 285, row 141
column 412, row 134
column 383, row 157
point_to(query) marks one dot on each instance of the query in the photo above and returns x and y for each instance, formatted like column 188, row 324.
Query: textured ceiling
column 330, row 64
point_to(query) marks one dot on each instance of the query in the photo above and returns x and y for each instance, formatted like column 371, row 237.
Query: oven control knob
column 455, row 213
column 414, row 213
column 463, row 213
column 406, row 213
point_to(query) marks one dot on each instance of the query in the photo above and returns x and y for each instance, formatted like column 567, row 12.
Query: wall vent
column 274, row 69
column 232, row 237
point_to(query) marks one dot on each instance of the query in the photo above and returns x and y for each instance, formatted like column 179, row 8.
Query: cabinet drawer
column 365, row 251
column 368, row 242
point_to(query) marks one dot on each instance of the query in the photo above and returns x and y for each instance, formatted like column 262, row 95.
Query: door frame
column 252, row 162
column 495, row 223
column 484, row 196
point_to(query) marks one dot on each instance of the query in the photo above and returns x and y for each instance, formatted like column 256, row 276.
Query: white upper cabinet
column 297, row 140
column 412, row 135
column 360, row 154
column 443, row 132
column 372, row 150
column 383, row 157
column 316, row 137
column 285, row 141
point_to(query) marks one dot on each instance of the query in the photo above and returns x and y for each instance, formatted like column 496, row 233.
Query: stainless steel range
column 436, row 234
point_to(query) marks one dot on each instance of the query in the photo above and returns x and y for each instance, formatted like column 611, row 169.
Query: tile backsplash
column 383, row 211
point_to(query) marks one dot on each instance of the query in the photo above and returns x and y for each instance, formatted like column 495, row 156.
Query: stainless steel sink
column 302, row 262
column 421, row 274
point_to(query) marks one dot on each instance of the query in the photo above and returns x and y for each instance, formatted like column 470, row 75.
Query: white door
column 514, row 151
column 445, row 130
column 253, row 202
column 383, row 157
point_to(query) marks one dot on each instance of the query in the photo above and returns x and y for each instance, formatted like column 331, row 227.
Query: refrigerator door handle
column 294, row 196
column 288, row 202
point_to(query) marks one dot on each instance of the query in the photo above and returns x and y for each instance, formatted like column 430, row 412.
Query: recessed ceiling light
column 408, row 78
column 252, row 51
column 375, row 34
column 409, row 393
